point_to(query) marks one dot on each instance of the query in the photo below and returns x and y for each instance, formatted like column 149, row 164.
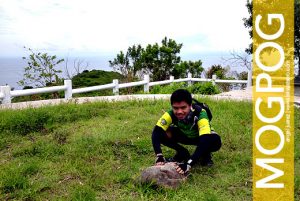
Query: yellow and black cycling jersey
column 195, row 124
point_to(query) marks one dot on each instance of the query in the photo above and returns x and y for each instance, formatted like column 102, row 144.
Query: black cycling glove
column 160, row 158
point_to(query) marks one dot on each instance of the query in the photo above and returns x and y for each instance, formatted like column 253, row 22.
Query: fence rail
column 37, row 91
column 6, row 94
column 93, row 88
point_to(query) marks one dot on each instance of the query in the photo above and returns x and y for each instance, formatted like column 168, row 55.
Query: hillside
column 94, row 77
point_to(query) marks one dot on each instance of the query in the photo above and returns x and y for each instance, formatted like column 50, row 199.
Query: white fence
column 6, row 94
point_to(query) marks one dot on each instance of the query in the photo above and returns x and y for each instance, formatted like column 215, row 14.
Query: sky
column 98, row 27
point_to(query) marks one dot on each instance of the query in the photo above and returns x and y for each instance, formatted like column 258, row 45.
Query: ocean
column 12, row 68
column 11, row 71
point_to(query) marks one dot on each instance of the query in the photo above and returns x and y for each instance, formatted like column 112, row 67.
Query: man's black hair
column 181, row 95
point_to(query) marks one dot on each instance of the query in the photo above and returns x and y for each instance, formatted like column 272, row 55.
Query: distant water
column 12, row 69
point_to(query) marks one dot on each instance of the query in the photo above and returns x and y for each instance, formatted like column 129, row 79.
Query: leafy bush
column 226, row 86
column 206, row 88
column 167, row 89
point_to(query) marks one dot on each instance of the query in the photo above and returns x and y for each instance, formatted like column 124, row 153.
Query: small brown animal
column 163, row 175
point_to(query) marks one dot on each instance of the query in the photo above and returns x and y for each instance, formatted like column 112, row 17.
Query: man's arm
column 203, row 123
column 165, row 121
column 160, row 130
column 156, row 136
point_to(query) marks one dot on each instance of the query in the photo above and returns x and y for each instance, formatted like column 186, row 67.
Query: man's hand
column 183, row 168
column 160, row 160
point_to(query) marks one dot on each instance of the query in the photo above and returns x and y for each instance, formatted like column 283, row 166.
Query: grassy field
column 96, row 151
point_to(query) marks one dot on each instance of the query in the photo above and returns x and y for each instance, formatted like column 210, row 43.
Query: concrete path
column 247, row 95
column 236, row 95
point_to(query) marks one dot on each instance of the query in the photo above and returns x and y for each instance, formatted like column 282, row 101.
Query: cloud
column 110, row 26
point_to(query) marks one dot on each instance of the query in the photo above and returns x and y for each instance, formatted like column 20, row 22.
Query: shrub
column 167, row 89
column 206, row 88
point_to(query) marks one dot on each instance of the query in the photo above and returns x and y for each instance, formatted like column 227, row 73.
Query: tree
column 41, row 70
column 151, row 60
column 135, row 54
column 160, row 61
column 184, row 67
column 243, row 75
column 195, row 68
column 129, row 63
column 248, row 23
column 168, row 56
column 218, row 70
column 239, row 59
column 121, row 64
column 221, row 73
column 78, row 67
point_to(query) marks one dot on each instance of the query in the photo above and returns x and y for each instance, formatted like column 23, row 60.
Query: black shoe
column 207, row 161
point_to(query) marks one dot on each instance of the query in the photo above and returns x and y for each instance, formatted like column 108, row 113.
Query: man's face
column 181, row 109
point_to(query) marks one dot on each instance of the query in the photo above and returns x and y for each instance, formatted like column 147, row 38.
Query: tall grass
column 96, row 151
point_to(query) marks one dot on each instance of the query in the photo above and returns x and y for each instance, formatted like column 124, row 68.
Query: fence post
column 189, row 77
column 214, row 77
column 249, row 79
column 146, row 86
column 68, row 90
column 6, row 91
column 172, row 78
column 116, row 88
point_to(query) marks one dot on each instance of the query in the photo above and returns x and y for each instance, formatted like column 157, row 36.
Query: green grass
column 96, row 151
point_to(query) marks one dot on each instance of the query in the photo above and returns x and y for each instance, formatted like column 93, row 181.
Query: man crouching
column 188, row 124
